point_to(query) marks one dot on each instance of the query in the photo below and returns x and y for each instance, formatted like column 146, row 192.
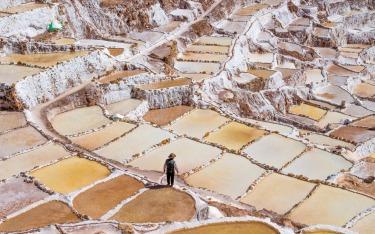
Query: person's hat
column 172, row 155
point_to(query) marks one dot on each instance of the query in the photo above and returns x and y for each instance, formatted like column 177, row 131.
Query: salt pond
column 10, row 74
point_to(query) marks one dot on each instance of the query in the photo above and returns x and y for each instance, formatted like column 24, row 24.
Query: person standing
column 170, row 167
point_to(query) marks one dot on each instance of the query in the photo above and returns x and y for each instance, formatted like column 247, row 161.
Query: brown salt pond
column 194, row 76
column 165, row 116
column 261, row 73
column 40, row 216
column 94, row 140
column 71, row 174
column 93, row 228
column 308, row 110
column 138, row 140
column 15, row 194
column 353, row 134
column 325, row 140
column 334, row 94
column 235, row 135
column 231, row 175
column 65, row 41
column 278, row 193
column 10, row 74
column 24, row 7
column 320, row 231
column 367, row 122
column 317, row 164
column 207, row 40
column 208, row 49
column 43, row 60
column 27, row 161
column 123, row 107
column 340, row 70
column 101, row 198
column 197, row 67
column 190, row 154
column 251, row 9
column 365, row 225
column 198, row 123
column 20, row 139
column 158, row 205
column 282, row 151
column 333, row 117
column 332, row 206
column 283, row 129
column 364, row 90
column 230, row 228
column 166, row 84
column 204, row 57
column 79, row 120
column 120, row 75
column 10, row 120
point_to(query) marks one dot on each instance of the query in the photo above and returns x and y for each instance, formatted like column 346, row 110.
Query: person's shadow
column 159, row 186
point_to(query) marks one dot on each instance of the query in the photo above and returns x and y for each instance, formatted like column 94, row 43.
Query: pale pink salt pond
column 317, row 164
column 207, row 40
column 10, row 74
column 282, row 151
column 20, row 139
column 123, row 107
column 79, row 120
column 10, row 120
column 328, row 141
column 231, row 175
column 197, row 67
column 278, row 193
column 198, row 123
column 334, row 94
column 208, row 49
column 333, row 206
column 119, row 75
column 333, row 117
column 190, row 154
column 138, row 140
column 203, row 57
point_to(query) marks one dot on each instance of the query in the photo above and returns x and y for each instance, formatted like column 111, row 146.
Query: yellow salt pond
column 282, row 151
column 138, row 140
column 190, row 154
column 231, row 175
column 79, row 120
column 317, row 164
column 231, row 228
column 278, row 193
column 20, row 139
column 71, row 174
column 165, row 84
column 365, row 225
column 103, row 197
column 94, row 140
column 235, row 135
column 157, row 205
column 332, row 206
column 308, row 110
column 123, row 107
column 43, row 60
column 333, row 117
column 27, row 161
column 10, row 120
column 39, row 217
column 198, row 123
column 10, row 74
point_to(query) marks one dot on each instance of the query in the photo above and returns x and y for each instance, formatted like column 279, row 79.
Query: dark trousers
column 170, row 178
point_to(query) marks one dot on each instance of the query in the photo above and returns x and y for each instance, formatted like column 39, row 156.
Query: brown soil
column 354, row 134
column 357, row 184
column 165, row 116
column 41, row 216
column 158, row 205
column 103, row 197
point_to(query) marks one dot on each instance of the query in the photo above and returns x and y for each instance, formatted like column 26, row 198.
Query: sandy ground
column 158, row 205
column 165, row 116
column 103, row 197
